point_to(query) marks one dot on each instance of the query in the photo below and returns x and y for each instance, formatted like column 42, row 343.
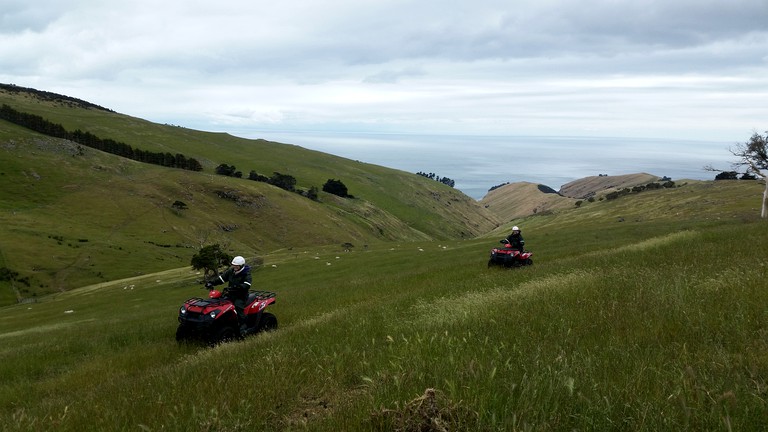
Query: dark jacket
column 239, row 283
column 516, row 241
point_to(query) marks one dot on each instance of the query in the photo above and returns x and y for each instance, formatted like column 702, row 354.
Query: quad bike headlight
column 213, row 314
column 183, row 310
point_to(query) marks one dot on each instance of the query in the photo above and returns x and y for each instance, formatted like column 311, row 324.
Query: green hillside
column 644, row 313
column 72, row 216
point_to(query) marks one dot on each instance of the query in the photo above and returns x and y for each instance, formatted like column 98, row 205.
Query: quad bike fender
column 258, row 301
column 260, row 304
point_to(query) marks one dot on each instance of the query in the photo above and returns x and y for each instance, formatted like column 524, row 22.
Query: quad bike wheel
column 222, row 334
column 268, row 322
column 182, row 333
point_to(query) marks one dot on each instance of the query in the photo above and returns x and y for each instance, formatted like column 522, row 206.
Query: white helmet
column 515, row 228
column 238, row 261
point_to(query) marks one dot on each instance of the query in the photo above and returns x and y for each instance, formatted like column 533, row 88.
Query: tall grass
column 666, row 332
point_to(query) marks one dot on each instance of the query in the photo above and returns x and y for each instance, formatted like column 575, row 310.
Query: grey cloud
column 24, row 15
column 501, row 64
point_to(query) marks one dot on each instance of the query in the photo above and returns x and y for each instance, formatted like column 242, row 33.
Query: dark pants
column 240, row 309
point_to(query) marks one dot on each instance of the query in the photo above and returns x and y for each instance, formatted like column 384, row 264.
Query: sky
column 692, row 72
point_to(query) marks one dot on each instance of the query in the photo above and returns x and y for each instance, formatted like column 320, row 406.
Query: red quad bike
column 214, row 320
column 507, row 257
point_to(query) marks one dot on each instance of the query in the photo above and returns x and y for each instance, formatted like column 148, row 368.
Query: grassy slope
column 654, row 323
column 427, row 206
column 516, row 200
column 600, row 185
column 520, row 199
column 69, row 218
column 97, row 218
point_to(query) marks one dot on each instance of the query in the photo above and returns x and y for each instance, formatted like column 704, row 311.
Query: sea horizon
column 477, row 163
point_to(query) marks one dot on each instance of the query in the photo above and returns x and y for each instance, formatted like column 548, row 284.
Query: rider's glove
column 208, row 285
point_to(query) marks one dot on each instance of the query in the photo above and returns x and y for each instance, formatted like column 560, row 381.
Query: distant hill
column 521, row 199
column 596, row 185
column 516, row 200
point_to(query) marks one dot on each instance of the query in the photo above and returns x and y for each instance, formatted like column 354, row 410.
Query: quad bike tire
column 222, row 334
column 268, row 322
column 183, row 333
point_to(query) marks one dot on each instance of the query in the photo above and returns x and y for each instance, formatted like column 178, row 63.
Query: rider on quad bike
column 239, row 278
column 515, row 239
column 513, row 253
column 233, row 314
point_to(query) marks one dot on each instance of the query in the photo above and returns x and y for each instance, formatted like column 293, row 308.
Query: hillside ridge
column 105, row 217
column 520, row 199
column 593, row 185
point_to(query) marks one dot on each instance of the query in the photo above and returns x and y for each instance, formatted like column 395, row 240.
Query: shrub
column 283, row 181
column 727, row 175
column 335, row 187
column 226, row 170
column 312, row 193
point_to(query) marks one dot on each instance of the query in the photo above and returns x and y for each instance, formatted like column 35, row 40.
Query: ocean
column 477, row 163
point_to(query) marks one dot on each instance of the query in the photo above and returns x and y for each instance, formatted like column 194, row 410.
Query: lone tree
column 754, row 155
column 209, row 259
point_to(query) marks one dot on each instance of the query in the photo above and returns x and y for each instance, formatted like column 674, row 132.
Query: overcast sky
column 678, row 69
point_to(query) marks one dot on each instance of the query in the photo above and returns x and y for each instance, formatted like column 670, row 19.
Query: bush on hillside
column 180, row 205
column 230, row 171
column 336, row 187
column 283, row 181
column 497, row 186
column 253, row 175
column 312, row 193
column 727, row 175
column 653, row 186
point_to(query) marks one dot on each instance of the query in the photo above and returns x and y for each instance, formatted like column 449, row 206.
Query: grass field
column 645, row 313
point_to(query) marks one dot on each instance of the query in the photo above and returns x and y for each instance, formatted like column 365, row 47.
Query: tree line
column 53, row 97
column 640, row 188
column 41, row 125
column 437, row 178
